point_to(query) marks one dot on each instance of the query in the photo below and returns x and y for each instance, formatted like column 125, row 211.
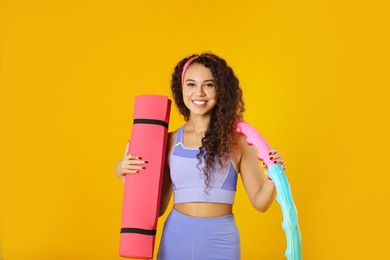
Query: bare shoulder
column 238, row 151
column 242, row 144
column 172, row 136
column 245, row 149
column 171, row 141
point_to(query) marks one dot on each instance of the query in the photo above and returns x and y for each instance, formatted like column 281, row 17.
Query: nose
column 200, row 91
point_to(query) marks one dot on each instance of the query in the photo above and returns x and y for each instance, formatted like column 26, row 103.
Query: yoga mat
column 142, row 191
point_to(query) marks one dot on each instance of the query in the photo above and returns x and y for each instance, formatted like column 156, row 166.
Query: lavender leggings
column 191, row 238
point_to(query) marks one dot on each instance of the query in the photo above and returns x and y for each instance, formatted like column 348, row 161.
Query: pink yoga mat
column 142, row 191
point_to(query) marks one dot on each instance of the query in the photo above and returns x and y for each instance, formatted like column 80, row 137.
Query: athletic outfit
column 192, row 238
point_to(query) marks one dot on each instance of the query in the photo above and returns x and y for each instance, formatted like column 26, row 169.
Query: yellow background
column 315, row 79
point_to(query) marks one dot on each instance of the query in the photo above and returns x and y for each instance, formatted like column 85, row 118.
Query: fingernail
column 269, row 153
column 143, row 168
column 275, row 161
column 146, row 161
column 137, row 171
column 271, row 158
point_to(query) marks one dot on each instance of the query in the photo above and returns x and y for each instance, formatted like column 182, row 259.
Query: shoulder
column 244, row 149
column 172, row 137
column 239, row 148
column 171, row 143
column 242, row 143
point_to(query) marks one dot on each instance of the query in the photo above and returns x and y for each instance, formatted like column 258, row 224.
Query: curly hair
column 220, row 138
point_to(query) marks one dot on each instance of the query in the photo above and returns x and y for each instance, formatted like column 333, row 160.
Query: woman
column 204, row 158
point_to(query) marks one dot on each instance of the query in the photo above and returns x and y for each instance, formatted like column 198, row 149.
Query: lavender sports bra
column 188, row 181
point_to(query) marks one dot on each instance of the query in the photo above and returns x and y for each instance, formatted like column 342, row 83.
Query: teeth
column 199, row 102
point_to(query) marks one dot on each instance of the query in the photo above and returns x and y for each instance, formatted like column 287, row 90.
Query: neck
column 198, row 124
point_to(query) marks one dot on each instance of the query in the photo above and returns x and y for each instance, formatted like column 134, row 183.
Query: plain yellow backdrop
column 315, row 79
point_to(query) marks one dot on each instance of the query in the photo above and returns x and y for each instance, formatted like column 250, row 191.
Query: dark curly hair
column 220, row 138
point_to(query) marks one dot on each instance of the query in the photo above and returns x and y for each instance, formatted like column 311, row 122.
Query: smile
column 199, row 102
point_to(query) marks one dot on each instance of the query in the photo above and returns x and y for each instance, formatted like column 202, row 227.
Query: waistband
column 189, row 225
column 216, row 195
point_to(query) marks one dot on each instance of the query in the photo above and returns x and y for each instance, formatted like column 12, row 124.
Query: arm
column 261, row 192
column 166, row 192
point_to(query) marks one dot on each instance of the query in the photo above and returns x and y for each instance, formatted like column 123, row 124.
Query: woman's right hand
column 130, row 164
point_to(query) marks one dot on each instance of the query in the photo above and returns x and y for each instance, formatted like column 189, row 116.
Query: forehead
column 198, row 71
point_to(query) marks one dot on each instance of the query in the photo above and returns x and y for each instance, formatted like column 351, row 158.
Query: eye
column 190, row 84
column 209, row 85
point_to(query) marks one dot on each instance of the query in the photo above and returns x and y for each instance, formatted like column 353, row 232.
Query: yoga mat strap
column 150, row 232
column 150, row 122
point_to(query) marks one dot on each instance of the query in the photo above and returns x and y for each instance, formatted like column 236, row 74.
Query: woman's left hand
column 276, row 158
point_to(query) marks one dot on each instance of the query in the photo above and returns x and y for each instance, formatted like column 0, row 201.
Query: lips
column 199, row 102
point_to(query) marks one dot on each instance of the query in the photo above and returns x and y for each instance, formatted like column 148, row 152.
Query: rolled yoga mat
column 142, row 191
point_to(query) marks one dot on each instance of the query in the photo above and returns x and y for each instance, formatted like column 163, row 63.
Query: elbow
column 161, row 212
column 262, row 209
column 262, row 206
column 163, row 207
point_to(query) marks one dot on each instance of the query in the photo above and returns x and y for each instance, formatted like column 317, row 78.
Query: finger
column 135, row 167
column 135, row 161
column 127, row 147
column 275, row 156
column 132, row 156
column 123, row 174
column 264, row 165
column 273, row 151
column 131, row 166
column 131, row 171
column 278, row 160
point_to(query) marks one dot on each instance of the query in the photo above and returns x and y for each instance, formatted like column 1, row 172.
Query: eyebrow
column 204, row 81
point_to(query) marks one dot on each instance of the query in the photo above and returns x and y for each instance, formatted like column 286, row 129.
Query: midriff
column 204, row 209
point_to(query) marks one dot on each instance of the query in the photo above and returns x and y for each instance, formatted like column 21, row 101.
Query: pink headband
column 188, row 63
column 185, row 67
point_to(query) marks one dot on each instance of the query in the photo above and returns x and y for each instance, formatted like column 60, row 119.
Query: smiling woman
column 204, row 158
